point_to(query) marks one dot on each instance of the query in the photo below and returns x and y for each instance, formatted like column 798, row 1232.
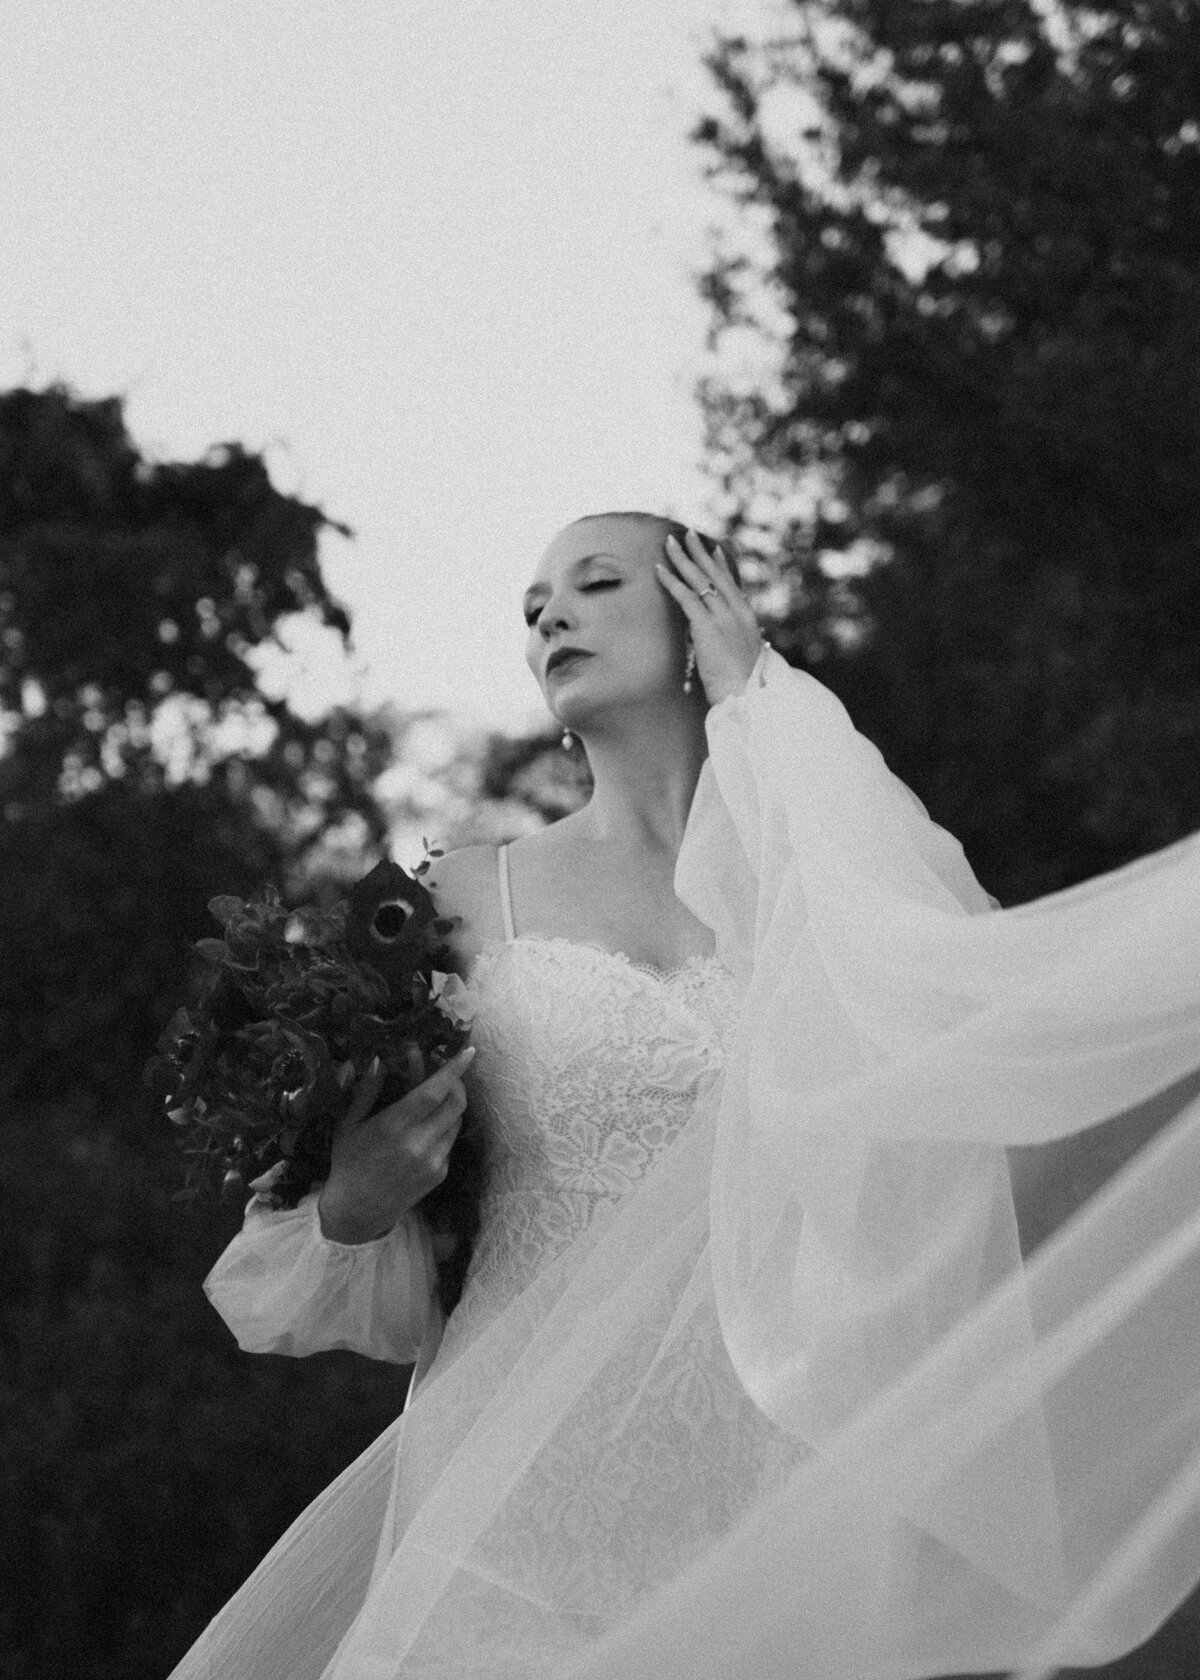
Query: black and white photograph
column 600, row 840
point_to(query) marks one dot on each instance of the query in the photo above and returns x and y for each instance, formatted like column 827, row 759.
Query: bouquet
column 291, row 1008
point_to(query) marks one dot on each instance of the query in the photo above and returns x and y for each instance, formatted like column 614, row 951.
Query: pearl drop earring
column 568, row 740
column 690, row 668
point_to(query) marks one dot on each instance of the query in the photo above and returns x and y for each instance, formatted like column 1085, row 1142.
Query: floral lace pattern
column 622, row 1498
column 588, row 1066
column 570, row 1123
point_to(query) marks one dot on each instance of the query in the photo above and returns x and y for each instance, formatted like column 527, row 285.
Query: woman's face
column 596, row 591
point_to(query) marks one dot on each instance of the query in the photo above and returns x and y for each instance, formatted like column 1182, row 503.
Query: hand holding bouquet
column 301, row 1017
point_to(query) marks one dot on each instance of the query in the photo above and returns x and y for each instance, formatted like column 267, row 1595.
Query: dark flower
column 305, row 1070
column 391, row 916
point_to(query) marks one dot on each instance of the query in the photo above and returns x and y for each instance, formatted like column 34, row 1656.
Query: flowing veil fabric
column 1038, row 1425
column 795, row 1405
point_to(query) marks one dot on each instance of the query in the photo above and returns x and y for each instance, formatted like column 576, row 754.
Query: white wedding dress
column 748, row 1377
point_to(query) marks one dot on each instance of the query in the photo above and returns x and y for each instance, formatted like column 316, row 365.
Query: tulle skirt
column 585, row 1488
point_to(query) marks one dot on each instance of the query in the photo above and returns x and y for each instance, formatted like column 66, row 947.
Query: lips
column 564, row 656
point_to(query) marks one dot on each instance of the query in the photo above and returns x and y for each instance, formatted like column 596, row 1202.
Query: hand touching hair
column 724, row 631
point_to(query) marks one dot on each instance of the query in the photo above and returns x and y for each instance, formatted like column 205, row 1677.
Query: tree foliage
column 965, row 273
column 147, row 1464
column 474, row 786
column 533, row 773
column 143, row 768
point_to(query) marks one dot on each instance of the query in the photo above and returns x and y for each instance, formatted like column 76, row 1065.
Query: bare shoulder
column 465, row 885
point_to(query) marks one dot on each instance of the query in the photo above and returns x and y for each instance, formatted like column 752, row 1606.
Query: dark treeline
column 144, row 1463
column 999, row 574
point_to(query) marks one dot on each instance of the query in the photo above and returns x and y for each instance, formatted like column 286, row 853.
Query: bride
column 778, row 1354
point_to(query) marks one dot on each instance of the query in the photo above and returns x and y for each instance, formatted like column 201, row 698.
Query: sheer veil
column 1036, row 1427
column 923, row 1454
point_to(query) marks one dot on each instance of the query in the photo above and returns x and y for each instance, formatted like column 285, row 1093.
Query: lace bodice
column 588, row 1064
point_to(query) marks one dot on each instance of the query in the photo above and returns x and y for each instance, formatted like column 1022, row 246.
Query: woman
column 749, row 1376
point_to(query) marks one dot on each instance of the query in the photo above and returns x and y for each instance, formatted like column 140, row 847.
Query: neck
column 645, row 766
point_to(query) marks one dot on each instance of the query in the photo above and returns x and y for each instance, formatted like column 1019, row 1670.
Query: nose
column 554, row 616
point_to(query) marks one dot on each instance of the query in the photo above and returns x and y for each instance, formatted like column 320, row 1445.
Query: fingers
column 425, row 1098
column 440, row 1159
column 723, row 576
column 385, row 1160
column 689, row 568
column 433, row 1092
column 414, row 1065
column 707, row 575
column 364, row 1096
column 444, row 1121
column 714, row 566
column 430, row 1142
column 689, row 602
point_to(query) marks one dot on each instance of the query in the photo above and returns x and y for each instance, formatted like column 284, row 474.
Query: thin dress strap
column 510, row 932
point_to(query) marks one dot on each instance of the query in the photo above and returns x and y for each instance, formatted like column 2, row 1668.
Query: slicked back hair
column 677, row 530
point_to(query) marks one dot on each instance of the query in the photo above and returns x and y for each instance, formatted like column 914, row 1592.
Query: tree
column 966, row 271
column 143, row 769
column 471, row 787
column 147, row 1464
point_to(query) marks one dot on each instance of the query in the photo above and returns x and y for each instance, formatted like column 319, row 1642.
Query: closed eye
column 532, row 616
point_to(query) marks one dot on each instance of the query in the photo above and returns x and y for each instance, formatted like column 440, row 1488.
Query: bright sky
column 434, row 256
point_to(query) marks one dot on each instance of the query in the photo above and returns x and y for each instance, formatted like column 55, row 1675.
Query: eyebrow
column 575, row 566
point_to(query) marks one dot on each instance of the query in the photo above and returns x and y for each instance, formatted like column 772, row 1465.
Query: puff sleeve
column 282, row 1286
